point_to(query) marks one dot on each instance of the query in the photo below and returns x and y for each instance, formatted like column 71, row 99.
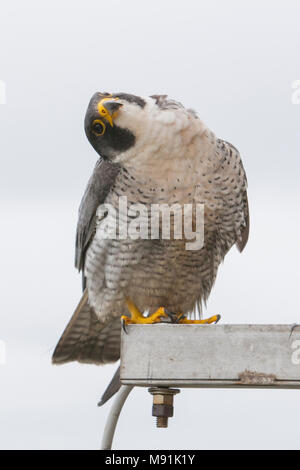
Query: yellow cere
column 103, row 111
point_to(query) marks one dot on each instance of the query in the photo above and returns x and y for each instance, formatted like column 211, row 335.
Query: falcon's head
column 121, row 126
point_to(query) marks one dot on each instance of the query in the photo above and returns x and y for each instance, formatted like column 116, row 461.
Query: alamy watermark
column 153, row 221
column 2, row 92
column 296, row 92
column 296, row 354
column 2, row 353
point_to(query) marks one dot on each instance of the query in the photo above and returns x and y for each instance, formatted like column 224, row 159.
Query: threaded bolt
column 162, row 407
column 161, row 422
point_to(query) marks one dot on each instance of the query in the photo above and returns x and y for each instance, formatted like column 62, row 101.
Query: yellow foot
column 206, row 321
column 137, row 316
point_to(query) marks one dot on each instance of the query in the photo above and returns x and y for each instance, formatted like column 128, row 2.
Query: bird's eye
column 98, row 127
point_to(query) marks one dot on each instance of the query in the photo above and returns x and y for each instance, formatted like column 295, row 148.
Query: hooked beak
column 108, row 108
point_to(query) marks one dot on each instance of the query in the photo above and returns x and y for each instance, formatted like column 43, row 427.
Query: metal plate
column 211, row 355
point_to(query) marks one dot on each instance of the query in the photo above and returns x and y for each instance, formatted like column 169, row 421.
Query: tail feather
column 87, row 340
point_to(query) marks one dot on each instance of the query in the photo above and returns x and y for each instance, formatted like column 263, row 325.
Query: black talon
column 169, row 314
column 124, row 326
column 180, row 318
column 174, row 317
column 218, row 319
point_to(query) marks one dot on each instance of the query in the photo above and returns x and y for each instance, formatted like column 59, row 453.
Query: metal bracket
column 172, row 355
column 161, row 356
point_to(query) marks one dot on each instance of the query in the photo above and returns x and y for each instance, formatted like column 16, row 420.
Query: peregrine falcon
column 153, row 151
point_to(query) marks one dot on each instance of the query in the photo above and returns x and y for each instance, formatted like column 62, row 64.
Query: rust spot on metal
column 249, row 377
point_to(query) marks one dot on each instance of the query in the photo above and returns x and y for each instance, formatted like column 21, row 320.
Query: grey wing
column 229, row 212
column 242, row 241
column 85, row 339
column 99, row 184
column 233, row 191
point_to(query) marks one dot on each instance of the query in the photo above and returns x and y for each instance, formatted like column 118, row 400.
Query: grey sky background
column 234, row 62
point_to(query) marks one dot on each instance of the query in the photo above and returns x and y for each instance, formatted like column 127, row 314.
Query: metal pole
column 113, row 416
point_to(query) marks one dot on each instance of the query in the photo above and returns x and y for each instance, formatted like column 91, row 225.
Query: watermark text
column 153, row 221
column 296, row 92
column 296, row 354
column 2, row 92
column 2, row 353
